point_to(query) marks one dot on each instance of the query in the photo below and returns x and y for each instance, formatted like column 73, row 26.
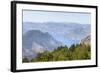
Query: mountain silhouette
column 35, row 41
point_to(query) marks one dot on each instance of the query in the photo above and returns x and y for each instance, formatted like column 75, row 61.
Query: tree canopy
column 63, row 53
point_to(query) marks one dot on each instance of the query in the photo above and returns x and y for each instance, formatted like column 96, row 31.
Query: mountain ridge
column 35, row 41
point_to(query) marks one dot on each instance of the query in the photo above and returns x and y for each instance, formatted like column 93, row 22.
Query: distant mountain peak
column 36, row 41
column 33, row 31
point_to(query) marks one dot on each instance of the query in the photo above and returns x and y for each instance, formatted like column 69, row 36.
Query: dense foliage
column 63, row 53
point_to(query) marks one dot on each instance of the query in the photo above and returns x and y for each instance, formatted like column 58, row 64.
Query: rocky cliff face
column 86, row 40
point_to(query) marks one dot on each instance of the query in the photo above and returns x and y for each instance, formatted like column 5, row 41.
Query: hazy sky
column 50, row 16
column 65, row 32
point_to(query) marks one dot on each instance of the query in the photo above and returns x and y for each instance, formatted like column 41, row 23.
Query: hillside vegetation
column 63, row 53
